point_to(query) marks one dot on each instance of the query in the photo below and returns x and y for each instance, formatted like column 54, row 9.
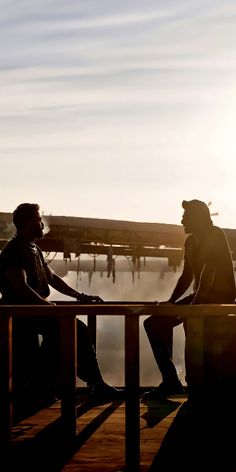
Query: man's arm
column 205, row 283
column 183, row 283
column 214, row 255
column 18, row 280
column 58, row 284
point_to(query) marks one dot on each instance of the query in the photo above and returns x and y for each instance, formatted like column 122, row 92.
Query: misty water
column 130, row 285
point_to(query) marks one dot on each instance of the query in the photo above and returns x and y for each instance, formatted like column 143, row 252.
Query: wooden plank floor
column 174, row 436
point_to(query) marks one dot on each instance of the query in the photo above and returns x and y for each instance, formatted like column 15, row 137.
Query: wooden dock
column 187, row 436
column 174, row 436
column 37, row 443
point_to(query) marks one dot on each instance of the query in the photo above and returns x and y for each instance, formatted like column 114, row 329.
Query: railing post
column 69, row 367
column 132, row 438
column 194, row 355
column 5, row 380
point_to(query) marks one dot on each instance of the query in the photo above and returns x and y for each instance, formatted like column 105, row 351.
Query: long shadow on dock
column 158, row 410
column 200, row 438
column 50, row 450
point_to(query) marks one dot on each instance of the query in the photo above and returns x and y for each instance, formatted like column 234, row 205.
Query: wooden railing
column 194, row 317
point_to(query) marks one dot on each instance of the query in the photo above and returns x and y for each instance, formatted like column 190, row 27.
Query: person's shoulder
column 218, row 232
column 15, row 251
column 218, row 238
column 217, row 229
column 9, row 246
column 9, row 253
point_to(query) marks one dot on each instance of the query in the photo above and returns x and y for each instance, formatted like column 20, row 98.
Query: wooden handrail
column 119, row 309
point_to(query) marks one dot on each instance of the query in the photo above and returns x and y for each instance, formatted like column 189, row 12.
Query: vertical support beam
column 5, row 380
column 132, row 437
column 69, row 370
column 194, row 355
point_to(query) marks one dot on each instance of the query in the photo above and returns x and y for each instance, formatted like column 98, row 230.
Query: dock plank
column 100, row 444
column 174, row 435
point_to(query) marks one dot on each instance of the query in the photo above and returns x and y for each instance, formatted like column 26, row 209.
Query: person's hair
column 199, row 209
column 24, row 212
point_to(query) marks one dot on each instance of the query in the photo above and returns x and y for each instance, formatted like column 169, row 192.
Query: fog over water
column 136, row 286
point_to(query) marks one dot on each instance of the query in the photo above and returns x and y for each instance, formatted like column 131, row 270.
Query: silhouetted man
column 25, row 278
column 208, row 264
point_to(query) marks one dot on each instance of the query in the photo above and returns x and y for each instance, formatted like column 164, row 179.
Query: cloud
column 127, row 98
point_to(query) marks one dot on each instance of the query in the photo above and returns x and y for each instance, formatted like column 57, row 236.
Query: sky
column 118, row 109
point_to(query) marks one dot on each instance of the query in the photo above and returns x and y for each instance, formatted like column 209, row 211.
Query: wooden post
column 194, row 355
column 5, row 380
column 132, row 444
column 69, row 368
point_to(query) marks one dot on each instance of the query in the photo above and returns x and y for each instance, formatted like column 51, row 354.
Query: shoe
column 106, row 393
column 163, row 391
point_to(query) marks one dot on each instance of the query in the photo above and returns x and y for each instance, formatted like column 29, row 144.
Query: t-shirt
column 213, row 250
column 19, row 254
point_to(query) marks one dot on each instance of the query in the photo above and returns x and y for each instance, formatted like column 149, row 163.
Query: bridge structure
column 76, row 236
column 110, row 238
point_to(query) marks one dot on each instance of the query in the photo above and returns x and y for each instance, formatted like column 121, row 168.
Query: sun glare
column 226, row 136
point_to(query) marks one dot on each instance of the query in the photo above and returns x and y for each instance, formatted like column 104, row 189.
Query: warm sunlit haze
column 118, row 110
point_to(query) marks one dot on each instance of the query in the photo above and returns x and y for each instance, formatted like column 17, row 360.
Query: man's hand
column 83, row 298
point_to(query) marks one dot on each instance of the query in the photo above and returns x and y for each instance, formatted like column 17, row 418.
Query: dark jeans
column 36, row 363
column 87, row 365
column 159, row 330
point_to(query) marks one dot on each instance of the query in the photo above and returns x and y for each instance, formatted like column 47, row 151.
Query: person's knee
column 148, row 324
column 84, row 337
column 82, row 328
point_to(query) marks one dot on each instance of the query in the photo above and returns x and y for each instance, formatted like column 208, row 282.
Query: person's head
column 28, row 221
column 196, row 217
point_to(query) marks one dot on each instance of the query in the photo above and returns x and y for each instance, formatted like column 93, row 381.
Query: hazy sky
column 118, row 108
